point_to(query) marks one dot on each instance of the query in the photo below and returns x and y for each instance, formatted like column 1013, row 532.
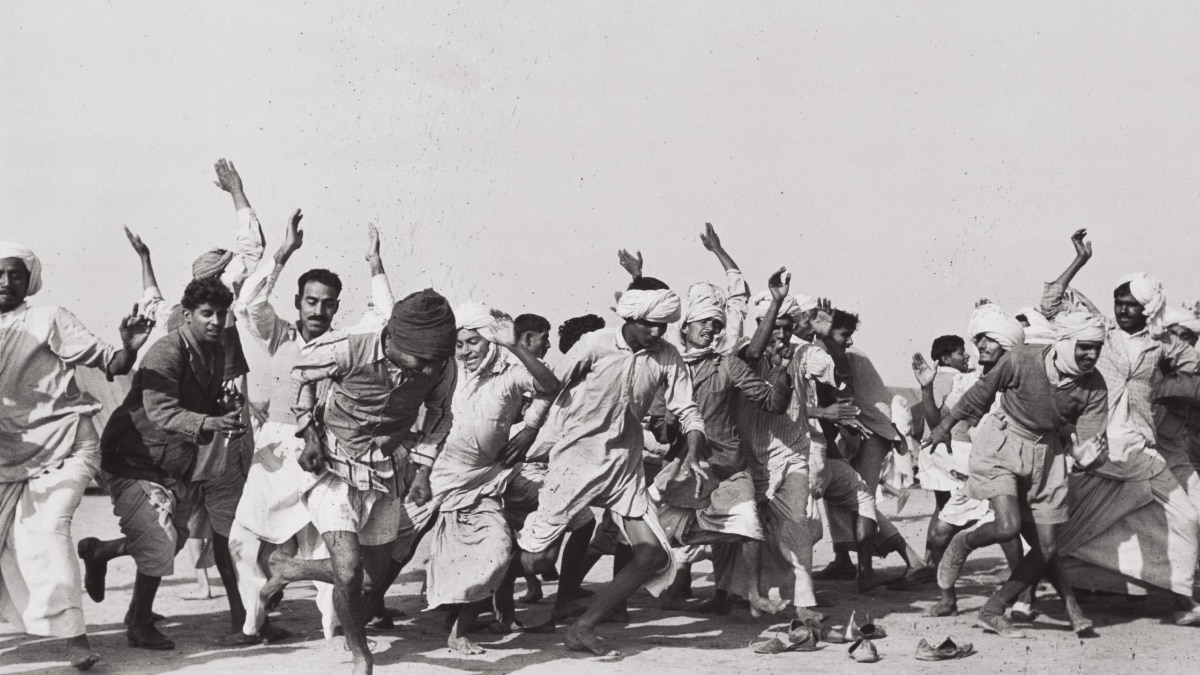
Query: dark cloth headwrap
column 423, row 325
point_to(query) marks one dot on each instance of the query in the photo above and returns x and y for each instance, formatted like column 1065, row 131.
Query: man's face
column 537, row 342
column 804, row 325
column 1183, row 335
column 1130, row 313
column 990, row 351
column 842, row 337
column 14, row 283
column 1087, row 354
column 957, row 360
column 471, row 349
column 317, row 305
column 206, row 322
column 407, row 363
column 700, row 334
column 782, row 335
column 642, row 334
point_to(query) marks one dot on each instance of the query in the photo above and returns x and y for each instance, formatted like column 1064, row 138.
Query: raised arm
column 713, row 243
column 381, row 299
column 503, row 333
column 152, row 304
column 143, row 253
column 780, row 285
column 925, row 375
column 772, row 394
column 632, row 263
column 1055, row 291
column 249, row 240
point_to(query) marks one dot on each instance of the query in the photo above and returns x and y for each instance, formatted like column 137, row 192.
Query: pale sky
column 903, row 159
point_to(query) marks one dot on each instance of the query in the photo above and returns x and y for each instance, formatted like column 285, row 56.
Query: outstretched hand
column 709, row 238
column 923, row 371
column 227, row 176
column 138, row 245
column 981, row 302
column 135, row 330
column 780, row 284
column 372, row 243
column 1083, row 248
column 631, row 263
column 293, row 238
column 502, row 331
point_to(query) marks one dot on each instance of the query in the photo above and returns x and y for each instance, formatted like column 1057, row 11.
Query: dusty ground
column 1132, row 636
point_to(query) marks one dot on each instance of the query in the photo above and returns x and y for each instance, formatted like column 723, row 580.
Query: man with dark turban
column 362, row 452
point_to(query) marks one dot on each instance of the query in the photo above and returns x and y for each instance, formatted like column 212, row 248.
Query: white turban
column 485, row 320
column 805, row 303
column 761, row 301
column 705, row 301
column 991, row 321
column 1039, row 331
column 661, row 306
column 1149, row 292
column 1183, row 317
column 11, row 249
column 1070, row 329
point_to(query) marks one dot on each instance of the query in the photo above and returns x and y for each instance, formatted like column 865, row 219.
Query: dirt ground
column 1132, row 636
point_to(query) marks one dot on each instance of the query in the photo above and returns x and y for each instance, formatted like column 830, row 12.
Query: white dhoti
column 470, row 553
column 40, row 588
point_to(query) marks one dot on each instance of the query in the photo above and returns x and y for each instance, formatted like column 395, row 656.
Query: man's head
column 1079, row 338
column 471, row 349
column 704, row 320
column 317, row 301
column 842, row 326
column 951, row 351
column 699, row 334
column 1129, row 313
column 20, row 275
column 576, row 327
column 990, row 350
column 206, row 308
column 1183, row 324
column 647, row 307
column 1183, row 334
column 533, row 333
column 421, row 334
column 211, row 264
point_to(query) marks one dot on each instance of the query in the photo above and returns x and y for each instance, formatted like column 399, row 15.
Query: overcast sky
column 904, row 159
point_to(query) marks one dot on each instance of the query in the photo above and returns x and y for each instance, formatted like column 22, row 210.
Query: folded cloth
column 658, row 306
column 423, row 325
column 211, row 263
column 991, row 321
column 1149, row 292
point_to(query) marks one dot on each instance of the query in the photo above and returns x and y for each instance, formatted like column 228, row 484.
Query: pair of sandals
column 949, row 649
column 853, row 631
column 802, row 636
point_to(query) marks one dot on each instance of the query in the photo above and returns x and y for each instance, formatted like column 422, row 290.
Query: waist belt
column 1003, row 423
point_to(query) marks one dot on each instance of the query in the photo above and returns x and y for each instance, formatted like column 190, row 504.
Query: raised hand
column 1083, row 248
column 135, row 330
column 227, row 177
column 293, row 238
column 981, row 302
column 372, row 243
column 922, row 371
column 710, row 239
column 138, row 245
column 502, row 331
column 631, row 263
column 780, row 284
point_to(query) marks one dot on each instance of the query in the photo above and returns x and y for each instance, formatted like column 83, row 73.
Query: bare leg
column 195, row 549
column 464, row 620
column 648, row 557
column 672, row 598
column 752, row 551
column 80, row 654
column 940, row 534
column 237, row 612
column 346, row 563
column 1030, row 570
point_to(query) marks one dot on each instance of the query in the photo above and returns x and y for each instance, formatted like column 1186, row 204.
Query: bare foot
column 944, row 607
column 362, row 665
column 533, row 591
column 617, row 615
column 463, row 646
column 585, row 640
column 80, row 653
column 282, row 567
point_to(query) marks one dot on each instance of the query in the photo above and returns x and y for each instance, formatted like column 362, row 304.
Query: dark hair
column 574, row 328
column 321, row 276
column 843, row 319
column 530, row 323
column 210, row 291
column 647, row 284
column 945, row 346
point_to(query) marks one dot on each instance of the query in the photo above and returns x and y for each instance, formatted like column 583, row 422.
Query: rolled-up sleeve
column 255, row 309
column 438, row 417
column 247, row 249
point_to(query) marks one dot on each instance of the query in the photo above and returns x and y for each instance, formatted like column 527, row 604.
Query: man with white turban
column 610, row 379
column 1019, row 458
column 49, row 450
column 1177, row 424
column 472, row 544
column 1135, row 490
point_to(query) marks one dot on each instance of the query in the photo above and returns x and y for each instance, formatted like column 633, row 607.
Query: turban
column 1182, row 317
column 705, row 301
column 211, row 263
column 1070, row 329
column 991, row 321
column 661, row 306
column 1039, row 331
column 11, row 249
column 805, row 303
column 486, row 321
column 1149, row 292
column 422, row 325
column 760, row 302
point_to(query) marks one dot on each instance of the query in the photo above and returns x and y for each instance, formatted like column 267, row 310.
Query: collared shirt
column 40, row 403
column 372, row 406
column 156, row 432
column 485, row 404
column 282, row 340
column 1032, row 401
column 1132, row 364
